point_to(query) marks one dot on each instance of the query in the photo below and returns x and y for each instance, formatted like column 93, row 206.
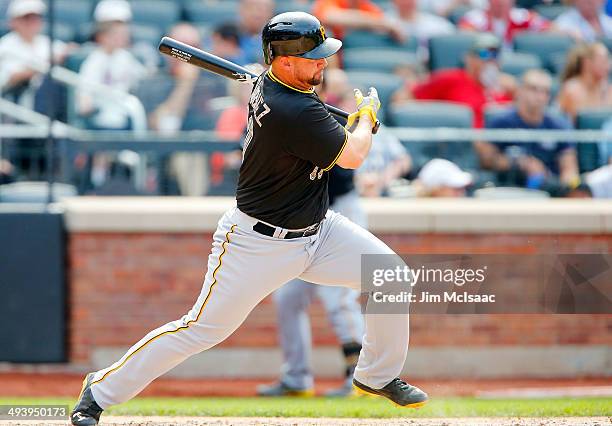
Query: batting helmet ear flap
column 268, row 54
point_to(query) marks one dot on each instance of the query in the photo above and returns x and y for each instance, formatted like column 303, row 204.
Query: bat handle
column 376, row 127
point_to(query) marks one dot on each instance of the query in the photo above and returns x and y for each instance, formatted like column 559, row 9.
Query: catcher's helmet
column 297, row 34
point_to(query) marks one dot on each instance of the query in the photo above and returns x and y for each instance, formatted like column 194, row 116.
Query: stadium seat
column 162, row 13
column 61, row 32
column 436, row 114
column 551, row 12
column 545, row 46
column 509, row 193
column 493, row 111
column 608, row 43
column 457, row 13
column 35, row 192
column 73, row 12
column 556, row 63
column 447, row 51
column 289, row 6
column 200, row 114
column 431, row 114
column 516, row 64
column 383, row 60
column 369, row 39
column 211, row 14
column 74, row 61
column 385, row 84
column 149, row 34
column 590, row 119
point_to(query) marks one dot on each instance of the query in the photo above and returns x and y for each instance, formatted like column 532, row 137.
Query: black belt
column 268, row 230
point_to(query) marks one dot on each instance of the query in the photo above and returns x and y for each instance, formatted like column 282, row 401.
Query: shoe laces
column 397, row 382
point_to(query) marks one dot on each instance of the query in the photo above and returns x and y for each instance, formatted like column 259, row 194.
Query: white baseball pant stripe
column 243, row 268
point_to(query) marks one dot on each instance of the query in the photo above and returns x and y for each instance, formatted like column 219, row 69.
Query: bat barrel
column 192, row 55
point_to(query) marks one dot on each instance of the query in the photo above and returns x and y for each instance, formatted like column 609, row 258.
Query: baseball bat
column 223, row 67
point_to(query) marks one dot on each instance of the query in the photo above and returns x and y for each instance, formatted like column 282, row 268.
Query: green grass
column 351, row 407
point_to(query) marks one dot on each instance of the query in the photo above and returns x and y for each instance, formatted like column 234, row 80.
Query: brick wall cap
column 195, row 214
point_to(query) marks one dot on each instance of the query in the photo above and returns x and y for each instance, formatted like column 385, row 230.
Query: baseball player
column 280, row 229
column 293, row 299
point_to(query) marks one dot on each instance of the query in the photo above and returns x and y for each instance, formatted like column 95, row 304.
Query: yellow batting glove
column 368, row 105
column 352, row 121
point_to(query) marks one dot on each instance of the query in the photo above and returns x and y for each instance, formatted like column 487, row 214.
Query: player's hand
column 367, row 105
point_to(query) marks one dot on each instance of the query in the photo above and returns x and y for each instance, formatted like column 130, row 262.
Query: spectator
column 169, row 114
column 24, row 58
column 231, row 126
column 600, row 182
column 189, row 170
column 504, row 20
column 534, row 165
column 345, row 15
column 442, row 178
column 226, row 44
column 586, row 21
column 584, row 81
column 387, row 159
column 446, row 7
column 254, row 14
column 232, row 122
column 6, row 172
column 414, row 23
column 475, row 85
column 387, row 162
column 25, row 51
column 109, row 64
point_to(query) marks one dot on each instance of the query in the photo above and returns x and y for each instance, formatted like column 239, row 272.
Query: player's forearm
column 358, row 144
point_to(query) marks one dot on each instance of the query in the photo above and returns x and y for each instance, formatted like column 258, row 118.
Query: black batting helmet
column 297, row 34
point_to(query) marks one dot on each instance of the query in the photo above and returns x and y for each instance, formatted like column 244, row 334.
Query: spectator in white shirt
column 586, row 21
column 446, row 7
column 386, row 162
column 109, row 64
column 419, row 24
column 24, row 52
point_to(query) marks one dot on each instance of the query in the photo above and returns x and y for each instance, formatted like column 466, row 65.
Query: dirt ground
column 22, row 384
column 262, row 421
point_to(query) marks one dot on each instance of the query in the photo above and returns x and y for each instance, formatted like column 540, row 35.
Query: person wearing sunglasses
column 504, row 19
column 476, row 84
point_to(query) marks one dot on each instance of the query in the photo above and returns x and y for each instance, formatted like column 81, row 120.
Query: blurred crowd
column 499, row 64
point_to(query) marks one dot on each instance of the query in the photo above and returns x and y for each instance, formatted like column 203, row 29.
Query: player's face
column 309, row 71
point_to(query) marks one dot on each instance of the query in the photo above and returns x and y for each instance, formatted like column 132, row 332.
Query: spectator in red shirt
column 478, row 83
column 504, row 20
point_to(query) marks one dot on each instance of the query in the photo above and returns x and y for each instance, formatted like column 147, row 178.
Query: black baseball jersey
column 341, row 181
column 292, row 141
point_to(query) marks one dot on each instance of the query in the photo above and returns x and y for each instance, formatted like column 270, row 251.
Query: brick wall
column 122, row 285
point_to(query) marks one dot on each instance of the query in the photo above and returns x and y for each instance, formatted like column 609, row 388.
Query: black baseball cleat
column 281, row 389
column 398, row 392
column 86, row 412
